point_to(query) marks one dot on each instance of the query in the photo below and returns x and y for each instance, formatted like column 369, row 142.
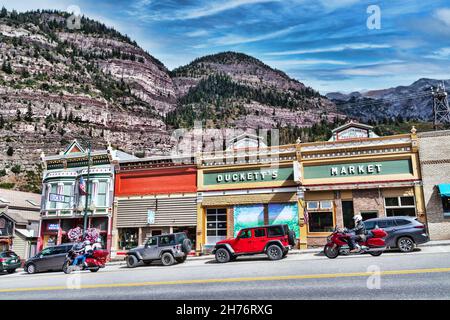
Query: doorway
column 347, row 213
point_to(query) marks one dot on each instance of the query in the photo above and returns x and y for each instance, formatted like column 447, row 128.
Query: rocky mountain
column 93, row 83
column 236, row 90
column 413, row 102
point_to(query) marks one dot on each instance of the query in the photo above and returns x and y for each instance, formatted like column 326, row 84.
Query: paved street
column 424, row 274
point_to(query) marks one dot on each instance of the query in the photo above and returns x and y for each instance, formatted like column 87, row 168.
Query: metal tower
column 441, row 109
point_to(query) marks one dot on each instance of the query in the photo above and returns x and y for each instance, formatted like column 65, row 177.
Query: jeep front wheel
column 132, row 261
column 222, row 255
column 167, row 259
column 274, row 252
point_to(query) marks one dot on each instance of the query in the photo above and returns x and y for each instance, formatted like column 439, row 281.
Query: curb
column 211, row 256
column 306, row 251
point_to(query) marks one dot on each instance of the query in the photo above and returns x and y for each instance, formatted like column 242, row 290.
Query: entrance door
column 347, row 213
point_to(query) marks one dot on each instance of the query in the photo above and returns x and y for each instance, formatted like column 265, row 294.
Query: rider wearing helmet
column 358, row 233
column 87, row 249
column 98, row 244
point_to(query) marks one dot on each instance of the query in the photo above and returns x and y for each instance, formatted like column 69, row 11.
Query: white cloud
column 443, row 53
column 236, row 39
column 443, row 14
column 212, row 8
column 351, row 46
column 197, row 33
column 335, row 4
column 305, row 62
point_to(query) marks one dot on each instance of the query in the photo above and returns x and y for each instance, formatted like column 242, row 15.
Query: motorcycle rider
column 83, row 253
column 98, row 244
column 358, row 233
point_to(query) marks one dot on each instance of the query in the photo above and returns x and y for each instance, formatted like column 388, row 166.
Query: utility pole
column 87, row 190
column 441, row 109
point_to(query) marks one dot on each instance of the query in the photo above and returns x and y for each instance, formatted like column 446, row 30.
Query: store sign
column 352, row 133
column 248, row 176
column 53, row 226
column 58, row 198
column 150, row 216
column 359, row 169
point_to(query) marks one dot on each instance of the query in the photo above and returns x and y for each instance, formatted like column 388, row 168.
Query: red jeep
column 274, row 240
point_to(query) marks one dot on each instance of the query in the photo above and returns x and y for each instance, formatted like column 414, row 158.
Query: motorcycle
column 95, row 261
column 337, row 243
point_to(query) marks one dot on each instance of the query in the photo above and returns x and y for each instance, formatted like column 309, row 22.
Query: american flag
column 82, row 186
column 306, row 216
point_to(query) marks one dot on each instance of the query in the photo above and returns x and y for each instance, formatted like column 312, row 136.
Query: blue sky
column 324, row 43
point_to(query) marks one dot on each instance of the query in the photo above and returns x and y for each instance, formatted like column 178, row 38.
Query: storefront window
column 400, row 206
column 53, row 189
column 216, row 225
column 128, row 238
column 369, row 214
column 67, row 191
column 102, row 193
column 321, row 217
column 321, row 221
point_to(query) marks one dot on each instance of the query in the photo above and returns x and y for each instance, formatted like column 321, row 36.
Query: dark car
column 404, row 232
column 49, row 259
column 9, row 261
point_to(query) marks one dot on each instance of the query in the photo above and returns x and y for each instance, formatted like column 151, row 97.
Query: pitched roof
column 13, row 198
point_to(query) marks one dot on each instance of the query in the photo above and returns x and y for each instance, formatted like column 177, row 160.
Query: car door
column 244, row 242
column 151, row 249
column 43, row 262
column 57, row 258
column 389, row 226
column 260, row 239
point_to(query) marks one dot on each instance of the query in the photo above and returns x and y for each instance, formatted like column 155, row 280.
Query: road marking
column 244, row 279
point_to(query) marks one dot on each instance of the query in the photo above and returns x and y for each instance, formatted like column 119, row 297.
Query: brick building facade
column 434, row 152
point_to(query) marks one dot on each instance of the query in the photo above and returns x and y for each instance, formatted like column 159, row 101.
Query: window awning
column 444, row 189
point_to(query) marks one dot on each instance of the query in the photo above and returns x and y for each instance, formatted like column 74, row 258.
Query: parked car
column 49, row 259
column 167, row 248
column 9, row 261
column 404, row 232
column 275, row 241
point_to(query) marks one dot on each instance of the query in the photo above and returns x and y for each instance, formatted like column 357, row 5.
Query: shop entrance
column 190, row 232
column 347, row 213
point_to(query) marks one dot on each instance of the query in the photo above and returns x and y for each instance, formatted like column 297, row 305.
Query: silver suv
column 168, row 248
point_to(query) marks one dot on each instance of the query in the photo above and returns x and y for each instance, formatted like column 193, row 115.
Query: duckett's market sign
column 248, row 176
column 358, row 169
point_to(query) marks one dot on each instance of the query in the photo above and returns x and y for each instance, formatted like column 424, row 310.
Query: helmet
column 357, row 218
column 87, row 242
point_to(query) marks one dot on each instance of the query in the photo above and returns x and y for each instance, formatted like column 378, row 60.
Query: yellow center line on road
column 243, row 279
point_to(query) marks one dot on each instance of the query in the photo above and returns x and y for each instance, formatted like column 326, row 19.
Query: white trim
column 246, row 191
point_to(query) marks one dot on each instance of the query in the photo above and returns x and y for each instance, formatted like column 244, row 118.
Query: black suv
column 404, row 232
column 167, row 247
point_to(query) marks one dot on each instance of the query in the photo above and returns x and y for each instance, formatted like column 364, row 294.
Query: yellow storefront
column 245, row 188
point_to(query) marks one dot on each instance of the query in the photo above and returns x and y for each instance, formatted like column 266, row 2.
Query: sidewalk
column 120, row 259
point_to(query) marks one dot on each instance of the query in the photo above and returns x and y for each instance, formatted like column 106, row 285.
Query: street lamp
column 85, row 217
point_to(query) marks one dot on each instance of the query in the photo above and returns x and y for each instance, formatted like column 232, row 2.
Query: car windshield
column 8, row 254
